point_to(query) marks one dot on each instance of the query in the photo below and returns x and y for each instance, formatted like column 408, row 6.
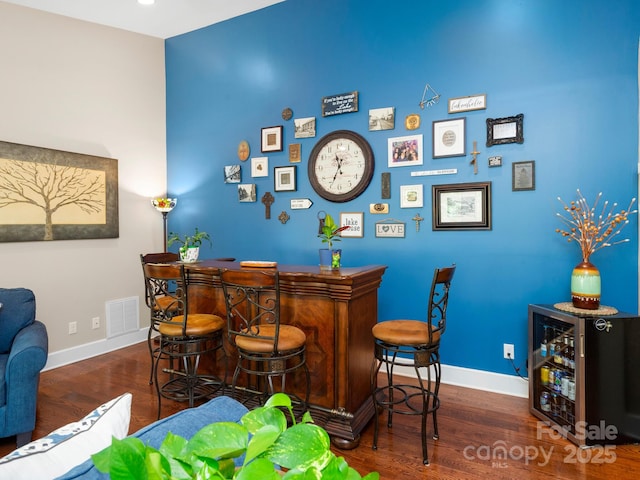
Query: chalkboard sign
column 338, row 104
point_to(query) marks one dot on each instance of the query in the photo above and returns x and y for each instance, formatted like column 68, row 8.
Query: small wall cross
column 474, row 161
column 417, row 218
column 267, row 199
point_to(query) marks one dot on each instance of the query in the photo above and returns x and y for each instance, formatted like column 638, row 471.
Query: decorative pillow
column 70, row 445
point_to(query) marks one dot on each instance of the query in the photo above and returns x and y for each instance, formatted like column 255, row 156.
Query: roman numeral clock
column 341, row 166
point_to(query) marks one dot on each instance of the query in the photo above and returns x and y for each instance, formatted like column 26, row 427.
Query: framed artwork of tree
column 50, row 194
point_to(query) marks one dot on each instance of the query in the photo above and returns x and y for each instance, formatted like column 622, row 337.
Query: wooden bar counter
column 336, row 309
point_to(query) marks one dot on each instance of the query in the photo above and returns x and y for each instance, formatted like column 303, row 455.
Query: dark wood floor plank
column 474, row 425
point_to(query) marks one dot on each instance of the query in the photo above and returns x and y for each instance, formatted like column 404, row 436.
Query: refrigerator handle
column 582, row 345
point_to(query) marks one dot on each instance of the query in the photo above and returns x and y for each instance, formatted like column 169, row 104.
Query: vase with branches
column 592, row 228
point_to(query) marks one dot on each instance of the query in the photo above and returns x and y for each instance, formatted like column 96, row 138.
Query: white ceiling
column 165, row 19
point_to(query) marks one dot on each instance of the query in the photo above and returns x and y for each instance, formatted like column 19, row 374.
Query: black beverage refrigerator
column 584, row 374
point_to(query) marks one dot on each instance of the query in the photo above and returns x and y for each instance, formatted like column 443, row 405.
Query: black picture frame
column 285, row 179
column 505, row 130
column 271, row 139
column 523, row 176
column 461, row 206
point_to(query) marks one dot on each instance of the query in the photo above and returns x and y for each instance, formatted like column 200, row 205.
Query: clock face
column 341, row 166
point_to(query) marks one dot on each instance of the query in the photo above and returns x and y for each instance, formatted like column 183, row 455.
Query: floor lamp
column 164, row 206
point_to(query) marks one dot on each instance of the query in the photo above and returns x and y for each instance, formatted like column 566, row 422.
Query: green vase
column 585, row 286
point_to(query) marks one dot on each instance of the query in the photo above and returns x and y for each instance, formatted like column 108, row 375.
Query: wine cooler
column 584, row 373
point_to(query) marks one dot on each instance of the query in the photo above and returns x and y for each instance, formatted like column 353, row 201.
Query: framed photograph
column 232, row 174
column 304, row 127
column 260, row 167
column 271, row 139
column 467, row 104
column 247, row 192
column 284, row 179
column 449, row 138
column 56, row 195
column 355, row 221
column 523, row 175
column 382, row 118
column 405, row 151
column 462, row 206
column 411, row 196
column 505, row 130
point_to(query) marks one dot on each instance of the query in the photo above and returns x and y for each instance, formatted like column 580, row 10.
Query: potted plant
column 189, row 244
column 329, row 233
column 271, row 449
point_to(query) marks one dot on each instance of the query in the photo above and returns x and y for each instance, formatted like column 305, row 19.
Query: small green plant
column 330, row 231
column 262, row 436
column 188, row 241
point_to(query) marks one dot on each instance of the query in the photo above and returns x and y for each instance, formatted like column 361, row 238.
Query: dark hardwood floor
column 482, row 435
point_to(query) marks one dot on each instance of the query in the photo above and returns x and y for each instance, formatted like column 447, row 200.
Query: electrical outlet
column 73, row 328
column 95, row 322
column 509, row 351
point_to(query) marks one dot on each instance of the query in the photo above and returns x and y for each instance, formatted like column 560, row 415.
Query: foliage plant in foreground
column 268, row 446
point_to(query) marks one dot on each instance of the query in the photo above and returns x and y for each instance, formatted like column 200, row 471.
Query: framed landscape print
column 462, row 206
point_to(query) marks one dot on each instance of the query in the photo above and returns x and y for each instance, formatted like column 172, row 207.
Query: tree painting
column 54, row 195
column 51, row 188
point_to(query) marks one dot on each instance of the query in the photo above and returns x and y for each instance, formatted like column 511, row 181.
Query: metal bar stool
column 184, row 336
column 412, row 343
column 267, row 348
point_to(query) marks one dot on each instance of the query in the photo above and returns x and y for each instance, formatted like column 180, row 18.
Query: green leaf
column 261, row 441
column 261, row 469
column 123, row 460
column 278, row 400
column 303, row 445
column 219, row 440
column 261, row 416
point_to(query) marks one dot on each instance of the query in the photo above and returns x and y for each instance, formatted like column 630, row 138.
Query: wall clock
column 341, row 166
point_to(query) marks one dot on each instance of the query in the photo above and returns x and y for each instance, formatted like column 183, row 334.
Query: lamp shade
column 164, row 204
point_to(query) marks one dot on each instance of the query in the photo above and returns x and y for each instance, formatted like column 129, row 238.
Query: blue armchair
column 23, row 353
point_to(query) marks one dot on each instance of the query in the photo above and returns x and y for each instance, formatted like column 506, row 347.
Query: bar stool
column 155, row 289
column 412, row 343
column 266, row 347
column 184, row 336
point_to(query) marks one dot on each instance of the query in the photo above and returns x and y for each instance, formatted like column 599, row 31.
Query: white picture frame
column 449, row 138
column 404, row 151
column 260, row 167
column 355, row 221
column 411, row 196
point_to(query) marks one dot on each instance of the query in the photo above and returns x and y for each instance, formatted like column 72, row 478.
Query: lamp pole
column 164, row 206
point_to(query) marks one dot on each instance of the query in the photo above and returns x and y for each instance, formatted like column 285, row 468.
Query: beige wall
column 80, row 87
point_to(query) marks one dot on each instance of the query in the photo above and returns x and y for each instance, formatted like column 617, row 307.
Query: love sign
column 390, row 229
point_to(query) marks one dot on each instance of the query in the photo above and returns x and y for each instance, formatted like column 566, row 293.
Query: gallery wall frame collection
column 455, row 206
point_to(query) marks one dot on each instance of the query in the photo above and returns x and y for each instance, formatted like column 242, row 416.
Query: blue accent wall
column 570, row 67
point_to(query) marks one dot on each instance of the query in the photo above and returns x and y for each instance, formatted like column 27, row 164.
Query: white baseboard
column 478, row 379
column 93, row 349
column 459, row 376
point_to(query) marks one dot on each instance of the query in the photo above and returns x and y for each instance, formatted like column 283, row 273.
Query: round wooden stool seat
column 404, row 332
column 290, row 338
column 198, row 324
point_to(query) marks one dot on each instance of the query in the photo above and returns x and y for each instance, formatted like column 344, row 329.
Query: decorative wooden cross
column 267, row 199
column 417, row 218
column 474, row 162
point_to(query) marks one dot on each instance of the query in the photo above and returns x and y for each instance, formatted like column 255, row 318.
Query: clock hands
column 338, row 170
